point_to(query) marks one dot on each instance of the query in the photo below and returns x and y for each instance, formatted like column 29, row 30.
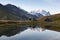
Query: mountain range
column 11, row 12
column 41, row 13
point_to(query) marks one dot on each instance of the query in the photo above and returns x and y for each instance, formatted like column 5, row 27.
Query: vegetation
column 50, row 22
column 17, row 23
column 53, row 25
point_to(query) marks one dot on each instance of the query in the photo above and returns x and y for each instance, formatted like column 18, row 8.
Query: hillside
column 11, row 12
column 50, row 22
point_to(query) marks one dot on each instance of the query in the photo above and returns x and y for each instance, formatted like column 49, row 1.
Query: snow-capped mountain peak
column 45, row 13
column 40, row 13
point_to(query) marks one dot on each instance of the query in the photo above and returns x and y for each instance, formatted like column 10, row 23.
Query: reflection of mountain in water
column 37, row 28
column 10, row 31
column 49, row 27
column 13, row 30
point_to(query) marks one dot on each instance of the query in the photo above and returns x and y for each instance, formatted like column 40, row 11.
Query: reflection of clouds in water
column 57, row 37
column 34, row 35
column 45, row 35
column 37, row 29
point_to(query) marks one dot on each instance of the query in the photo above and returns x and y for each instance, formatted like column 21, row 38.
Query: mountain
column 36, row 14
column 41, row 13
column 11, row 12
column 44, row 13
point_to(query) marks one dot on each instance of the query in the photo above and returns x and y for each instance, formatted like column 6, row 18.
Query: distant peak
column 10, row 5
column 37, row 10
column 40, row 11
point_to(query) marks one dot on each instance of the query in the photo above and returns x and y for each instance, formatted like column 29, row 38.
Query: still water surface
column 29, row 34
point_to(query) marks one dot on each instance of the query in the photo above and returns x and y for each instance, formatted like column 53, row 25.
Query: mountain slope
column 36, row 14
column 54, row 24
column 44, row 13
column 11, row 12
column 52, row 21
column 6, row 15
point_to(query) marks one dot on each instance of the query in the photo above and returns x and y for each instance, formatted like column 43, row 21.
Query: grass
column 2, row 24
column 55, row 23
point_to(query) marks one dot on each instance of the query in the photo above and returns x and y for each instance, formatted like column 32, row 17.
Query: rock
column 48, row 20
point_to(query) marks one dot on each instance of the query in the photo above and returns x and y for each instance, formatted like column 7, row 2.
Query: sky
column 53, row 6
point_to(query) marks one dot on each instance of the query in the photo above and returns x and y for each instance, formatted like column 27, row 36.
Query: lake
column 28, row 33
